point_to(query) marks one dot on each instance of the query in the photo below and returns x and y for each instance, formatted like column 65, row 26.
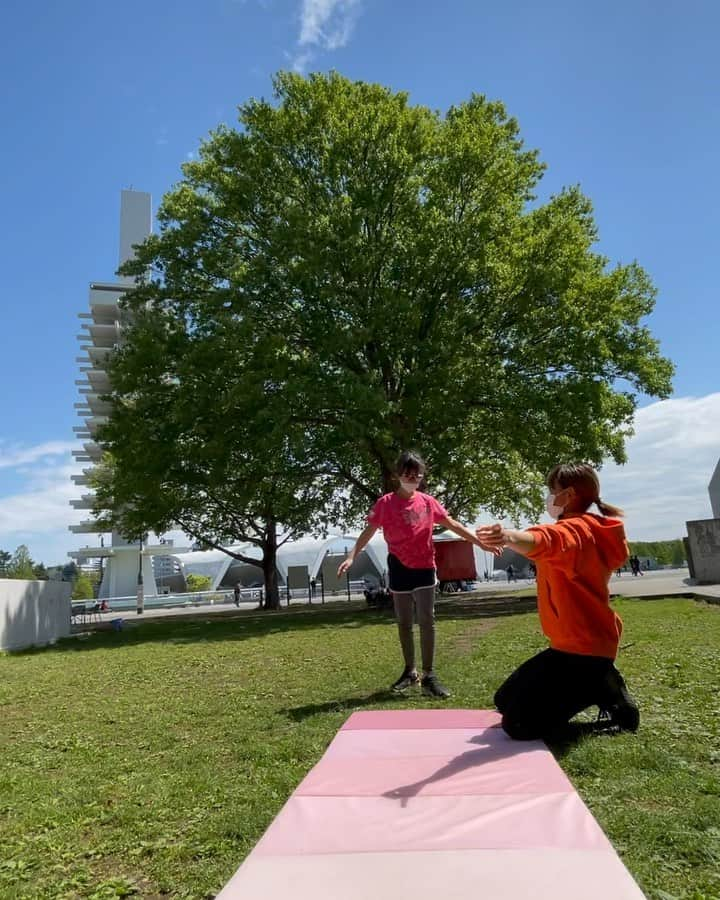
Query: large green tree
column 387, row 276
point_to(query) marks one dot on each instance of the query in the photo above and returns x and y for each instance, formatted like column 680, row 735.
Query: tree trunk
column 269, row 566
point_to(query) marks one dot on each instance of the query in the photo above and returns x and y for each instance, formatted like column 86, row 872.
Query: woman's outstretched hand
column 491, row 538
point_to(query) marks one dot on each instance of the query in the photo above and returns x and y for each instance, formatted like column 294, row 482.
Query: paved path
column 662, row 583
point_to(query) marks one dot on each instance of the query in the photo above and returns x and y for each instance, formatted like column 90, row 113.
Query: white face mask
column 552, row 510
column 408, row 486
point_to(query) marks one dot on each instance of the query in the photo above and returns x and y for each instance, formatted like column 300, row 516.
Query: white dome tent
column 307, row 552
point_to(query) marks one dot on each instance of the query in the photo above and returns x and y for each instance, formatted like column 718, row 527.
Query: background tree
column 40, row 573
column 5, row 558
column 82, row 588
column 70, row 571
column 21, row 564
column 388, row 277
column 678, row 554
column 666, row 553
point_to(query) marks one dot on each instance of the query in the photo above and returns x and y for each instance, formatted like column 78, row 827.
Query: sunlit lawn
column 149, row 761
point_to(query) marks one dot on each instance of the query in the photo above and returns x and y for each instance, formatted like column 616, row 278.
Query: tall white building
column 101, row 333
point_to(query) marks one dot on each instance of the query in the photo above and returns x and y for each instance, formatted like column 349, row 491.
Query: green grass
column 148, row 762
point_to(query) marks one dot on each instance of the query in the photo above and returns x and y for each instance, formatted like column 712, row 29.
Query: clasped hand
column 491, row 538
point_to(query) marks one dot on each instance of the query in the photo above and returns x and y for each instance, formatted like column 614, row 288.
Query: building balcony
column 87, row 501
column 89, row 526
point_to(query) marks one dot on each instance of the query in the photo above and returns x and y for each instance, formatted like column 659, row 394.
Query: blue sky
column 619, row 97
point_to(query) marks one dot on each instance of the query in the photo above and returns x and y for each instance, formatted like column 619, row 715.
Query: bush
column 198, row 582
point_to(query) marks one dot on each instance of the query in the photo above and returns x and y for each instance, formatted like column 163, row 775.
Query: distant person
column 407, row 517
column 510, row 572
column 575, row 557
column 313, row 585
column 236, row 594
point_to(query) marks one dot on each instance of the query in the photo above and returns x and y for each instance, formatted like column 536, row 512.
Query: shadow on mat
column 471, row 758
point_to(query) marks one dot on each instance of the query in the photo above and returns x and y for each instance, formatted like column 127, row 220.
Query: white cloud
column 38, row 511
column 671, row 459
column 301, row 62
column 327, row 23
column 12, row 456
column 324, row 25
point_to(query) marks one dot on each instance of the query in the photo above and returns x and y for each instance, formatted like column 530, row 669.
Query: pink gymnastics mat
column 432, row 805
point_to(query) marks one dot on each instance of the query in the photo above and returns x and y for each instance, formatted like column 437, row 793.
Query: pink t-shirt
column 407, row 525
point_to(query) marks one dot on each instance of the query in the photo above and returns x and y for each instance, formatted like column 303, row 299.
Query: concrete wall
column 33, row 613
column 704, row 542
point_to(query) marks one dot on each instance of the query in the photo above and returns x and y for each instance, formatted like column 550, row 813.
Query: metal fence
column 211, row 598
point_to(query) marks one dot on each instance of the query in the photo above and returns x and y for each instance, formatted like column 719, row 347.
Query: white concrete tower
column 101, row 333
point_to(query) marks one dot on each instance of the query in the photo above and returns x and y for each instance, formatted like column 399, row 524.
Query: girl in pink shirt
column 407, row 517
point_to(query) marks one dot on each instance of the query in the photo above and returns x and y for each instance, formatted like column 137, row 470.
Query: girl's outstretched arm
column 360, row 545
column 498, row 537
column 468, row 535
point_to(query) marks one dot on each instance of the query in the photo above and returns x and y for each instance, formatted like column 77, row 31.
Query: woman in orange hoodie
column 574, row 558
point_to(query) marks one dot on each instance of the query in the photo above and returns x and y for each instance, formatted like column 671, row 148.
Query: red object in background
column 455, row 561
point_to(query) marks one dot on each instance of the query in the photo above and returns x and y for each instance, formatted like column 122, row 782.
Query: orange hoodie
column 575, row 558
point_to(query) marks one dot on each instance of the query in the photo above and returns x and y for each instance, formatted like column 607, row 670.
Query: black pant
column 545, row 692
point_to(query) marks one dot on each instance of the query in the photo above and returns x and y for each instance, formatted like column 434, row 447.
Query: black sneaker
column 409, row 678
column 432, row 687
column 619, row 707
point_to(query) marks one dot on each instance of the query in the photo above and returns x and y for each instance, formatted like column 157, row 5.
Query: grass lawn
column 148, row 762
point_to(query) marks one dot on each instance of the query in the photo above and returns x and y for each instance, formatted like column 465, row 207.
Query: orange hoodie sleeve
column 553, row 541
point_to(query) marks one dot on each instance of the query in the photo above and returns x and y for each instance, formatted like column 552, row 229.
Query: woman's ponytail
column 607, row 509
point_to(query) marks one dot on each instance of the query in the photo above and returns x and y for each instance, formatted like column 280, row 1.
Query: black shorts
column 402, row 579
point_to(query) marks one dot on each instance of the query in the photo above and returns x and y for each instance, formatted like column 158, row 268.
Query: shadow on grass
column 238, row 626
column 485, row 608
column 298, row 713
column 209, row 628
column 565, row 739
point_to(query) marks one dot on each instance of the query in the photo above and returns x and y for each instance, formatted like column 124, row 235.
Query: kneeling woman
column 574, row 558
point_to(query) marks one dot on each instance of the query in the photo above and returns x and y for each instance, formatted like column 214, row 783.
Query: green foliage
column 70, row 571
column 198, row 582
column 5, row 558
column 83, row 588
column 380, row 276
column 677, row 557
column 665, row 552
column 175, row 821
column 21, row 564
column 347, row 275
column 40, row 573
